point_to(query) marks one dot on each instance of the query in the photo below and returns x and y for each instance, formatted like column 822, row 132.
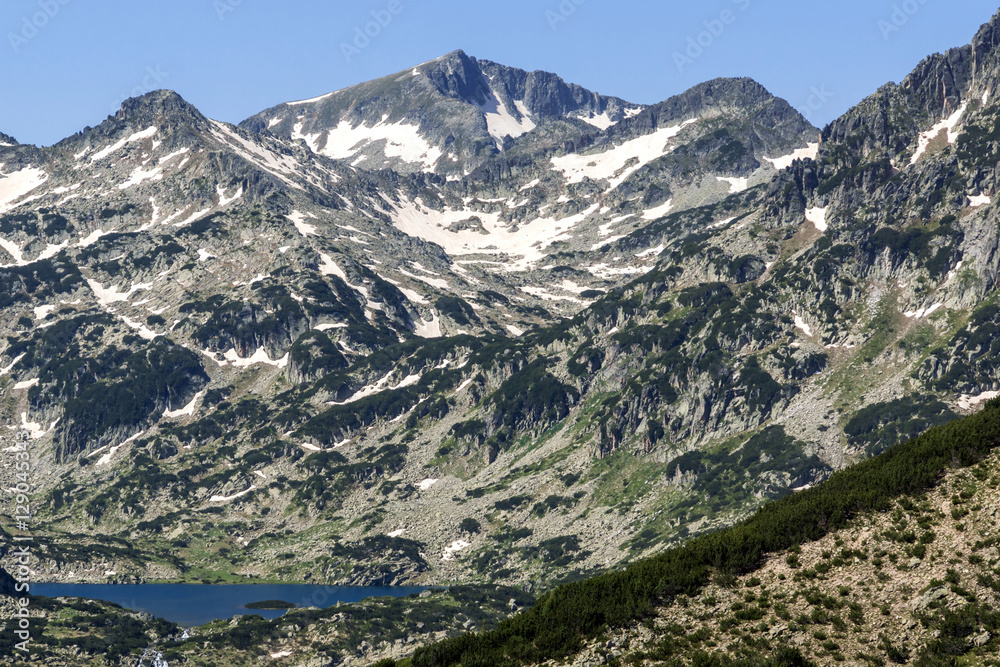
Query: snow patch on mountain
column 106, row 459
column 454, row 548
column 817, row 216
column 111, row 295
column 379, row 387
column 967, row 402
column 433, row 282
column 226, row 499
column 401, row 141
column 118, row 145
column 187, row 410
column 923, row 312
column 528, row 241
column 945, row 125
column 279, row 166
column 15, row 185
column 140, row 175
column 736, row 185
column 809, row 152
column 616, row 164
column 193, row 217
column 500, row 122
column 298, row 219
column 430, row 329
column 311, row 100
column 659, row 211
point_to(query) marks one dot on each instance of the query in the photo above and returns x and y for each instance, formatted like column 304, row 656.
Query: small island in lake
column 270, row 604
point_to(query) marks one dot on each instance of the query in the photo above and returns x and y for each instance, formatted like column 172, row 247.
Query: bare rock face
column 469, row 294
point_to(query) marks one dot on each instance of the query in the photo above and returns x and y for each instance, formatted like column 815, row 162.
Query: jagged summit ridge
column 448, row 115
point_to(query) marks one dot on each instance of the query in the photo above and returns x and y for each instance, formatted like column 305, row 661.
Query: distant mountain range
column 471, row 323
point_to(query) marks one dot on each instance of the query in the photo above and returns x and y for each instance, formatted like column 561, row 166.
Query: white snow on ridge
column 140, row 175
column 607, row 271
column 948, row 124
column 7, row 369
column 144, row 332
column 426, row 484
column 784, row 162
column 923, row 312
column 259, row 357
column 801, row 324
column 106, row 459
column 527, row 242
column 402, row 141
column 379, row 387
column 980, row 200
column 654, row 252
column 967, row 402
column 330, row 268
column 545, row 295
column 90, row 239
column 610, row 165
column 298, row 219
column 454, row 548
column 14, row 250
column 187, row 410
column 601, row 122
column 735, row 184
column 310, row 100
column 226, row 499
column 659, row 211
column 27, row 384
column 433, row 282
column 430, row 329
column 138, row 136
column 171, row 156
column 193, row 217
column 279, row 166
column 112, row 295
column 223, row 200
column 15, row 185
column 500, row 122
column 817, row 216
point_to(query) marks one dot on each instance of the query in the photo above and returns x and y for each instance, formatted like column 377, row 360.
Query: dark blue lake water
column 197, row 604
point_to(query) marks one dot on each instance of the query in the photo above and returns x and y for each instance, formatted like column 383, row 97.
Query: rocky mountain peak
column 458, row 76
column 158, row 103
column 7, row 140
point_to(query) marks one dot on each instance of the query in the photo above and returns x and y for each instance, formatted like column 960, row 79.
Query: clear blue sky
column 71, row 67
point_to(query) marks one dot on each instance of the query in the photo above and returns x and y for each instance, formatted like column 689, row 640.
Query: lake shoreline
column 193, row 605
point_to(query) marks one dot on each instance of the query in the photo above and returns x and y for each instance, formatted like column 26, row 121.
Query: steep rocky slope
column 449, row 115
column 217, row 338
column 229, row 348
